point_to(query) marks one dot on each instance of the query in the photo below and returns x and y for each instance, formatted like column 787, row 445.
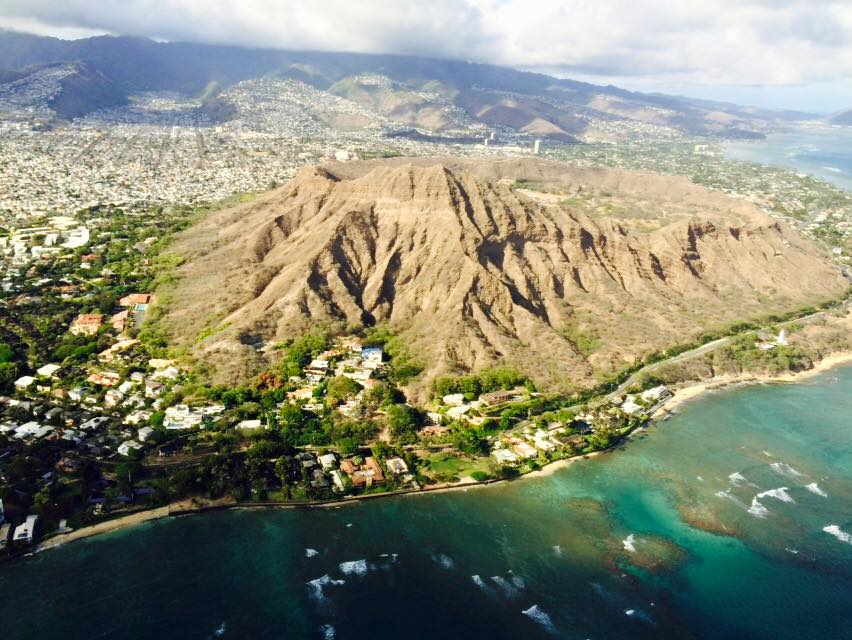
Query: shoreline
column 684, row 393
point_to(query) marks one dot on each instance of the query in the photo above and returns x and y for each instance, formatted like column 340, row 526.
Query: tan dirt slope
column 474, row 273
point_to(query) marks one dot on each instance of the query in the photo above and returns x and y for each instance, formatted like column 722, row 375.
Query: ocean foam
column 509, row 590
column 557, row 549
column 538, row 614
column 310, row 553
column 354, row 567
column 813, row 487
column 327, row 632
column 518, row 581
column 318, row 586
column 730, row 496
column 779, row 494
column 737, row 478
column 220, row 631
column 629, row 543
column 838, row 533
column 445, row 561
column 758, row 510
column 785, row 469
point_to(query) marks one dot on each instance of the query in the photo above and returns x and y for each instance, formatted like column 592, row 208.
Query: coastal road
column 712, row 346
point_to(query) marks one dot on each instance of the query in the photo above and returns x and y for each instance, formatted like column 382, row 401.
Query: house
column 104, row 378
column 496, row 397
column 319, row 480
column 169, row 373
column 504, row 456
column 657, row 394
column 317, row 367
column 4, row 534
column 328, row 461
column 24, row 382
column 113, row 397
column 523, row 449
column 396, row 466
column 144, row 433
column 87, row 324
column 372, row 354
column 48, row 370
column 542, row 441
column 119, row 320
column 249, row 424
column 458, row 412
column 305, row 393
column 337, row 480
column 68, row 465
column 32, row 430
column 134, row 299
column 630, row 407
column 128, row 446
column 26, row 532
column 453, row 399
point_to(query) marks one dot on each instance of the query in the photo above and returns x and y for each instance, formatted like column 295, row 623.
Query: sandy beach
column 691, row 390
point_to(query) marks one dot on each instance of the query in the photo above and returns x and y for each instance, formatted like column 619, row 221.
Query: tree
column 340, row 389
column 403, row 421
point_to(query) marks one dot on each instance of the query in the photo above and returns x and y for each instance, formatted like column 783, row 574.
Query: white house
column 327, row 461
column 144, row 433
column 453, row 399
column 48, row 370
column 128, row 446
column 25, row 532
column 250, row 424
column 24, row 382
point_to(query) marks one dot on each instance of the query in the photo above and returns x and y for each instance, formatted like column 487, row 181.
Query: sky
column 776, row 53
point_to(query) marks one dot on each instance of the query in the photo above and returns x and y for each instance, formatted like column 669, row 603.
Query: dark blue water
column 712, row 555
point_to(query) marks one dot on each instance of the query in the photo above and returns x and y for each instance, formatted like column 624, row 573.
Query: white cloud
column 730, row 42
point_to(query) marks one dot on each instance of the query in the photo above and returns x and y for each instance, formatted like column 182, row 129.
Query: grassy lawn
column 447, row 464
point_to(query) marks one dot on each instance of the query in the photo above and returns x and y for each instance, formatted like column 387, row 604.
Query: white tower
column 537, row 147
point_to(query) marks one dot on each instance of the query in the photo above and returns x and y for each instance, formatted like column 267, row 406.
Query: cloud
column 719, row 42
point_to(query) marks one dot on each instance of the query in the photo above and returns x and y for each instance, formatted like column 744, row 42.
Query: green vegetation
column 482, row 382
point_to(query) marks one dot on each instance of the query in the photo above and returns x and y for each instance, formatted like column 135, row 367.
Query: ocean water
column 731, row 520
column 825, row 153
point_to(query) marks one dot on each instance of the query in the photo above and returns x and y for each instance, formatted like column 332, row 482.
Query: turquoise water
column 824, row 153
column 538, row 558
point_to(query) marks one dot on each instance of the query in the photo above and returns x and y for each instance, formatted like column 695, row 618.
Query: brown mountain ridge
column 578, row 275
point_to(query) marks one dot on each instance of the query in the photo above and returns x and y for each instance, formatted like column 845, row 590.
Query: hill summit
column 474, row 271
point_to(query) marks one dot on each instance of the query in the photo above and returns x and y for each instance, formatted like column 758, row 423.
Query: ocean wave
column 518, row 581
column 445, row 561
column 220, row 631
column 813, row 487
column 353, row 567
column 736, row 478
column 758, row 510
column 509, row 590
column 838, row 533
column 557, row 549
column 785, row 469
column 730, row 496
column 310, row 553
column 639, row 614
column 629, row 543
column 538, row 614
column 779, row 494
column 318, row 586
column 327, row 632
